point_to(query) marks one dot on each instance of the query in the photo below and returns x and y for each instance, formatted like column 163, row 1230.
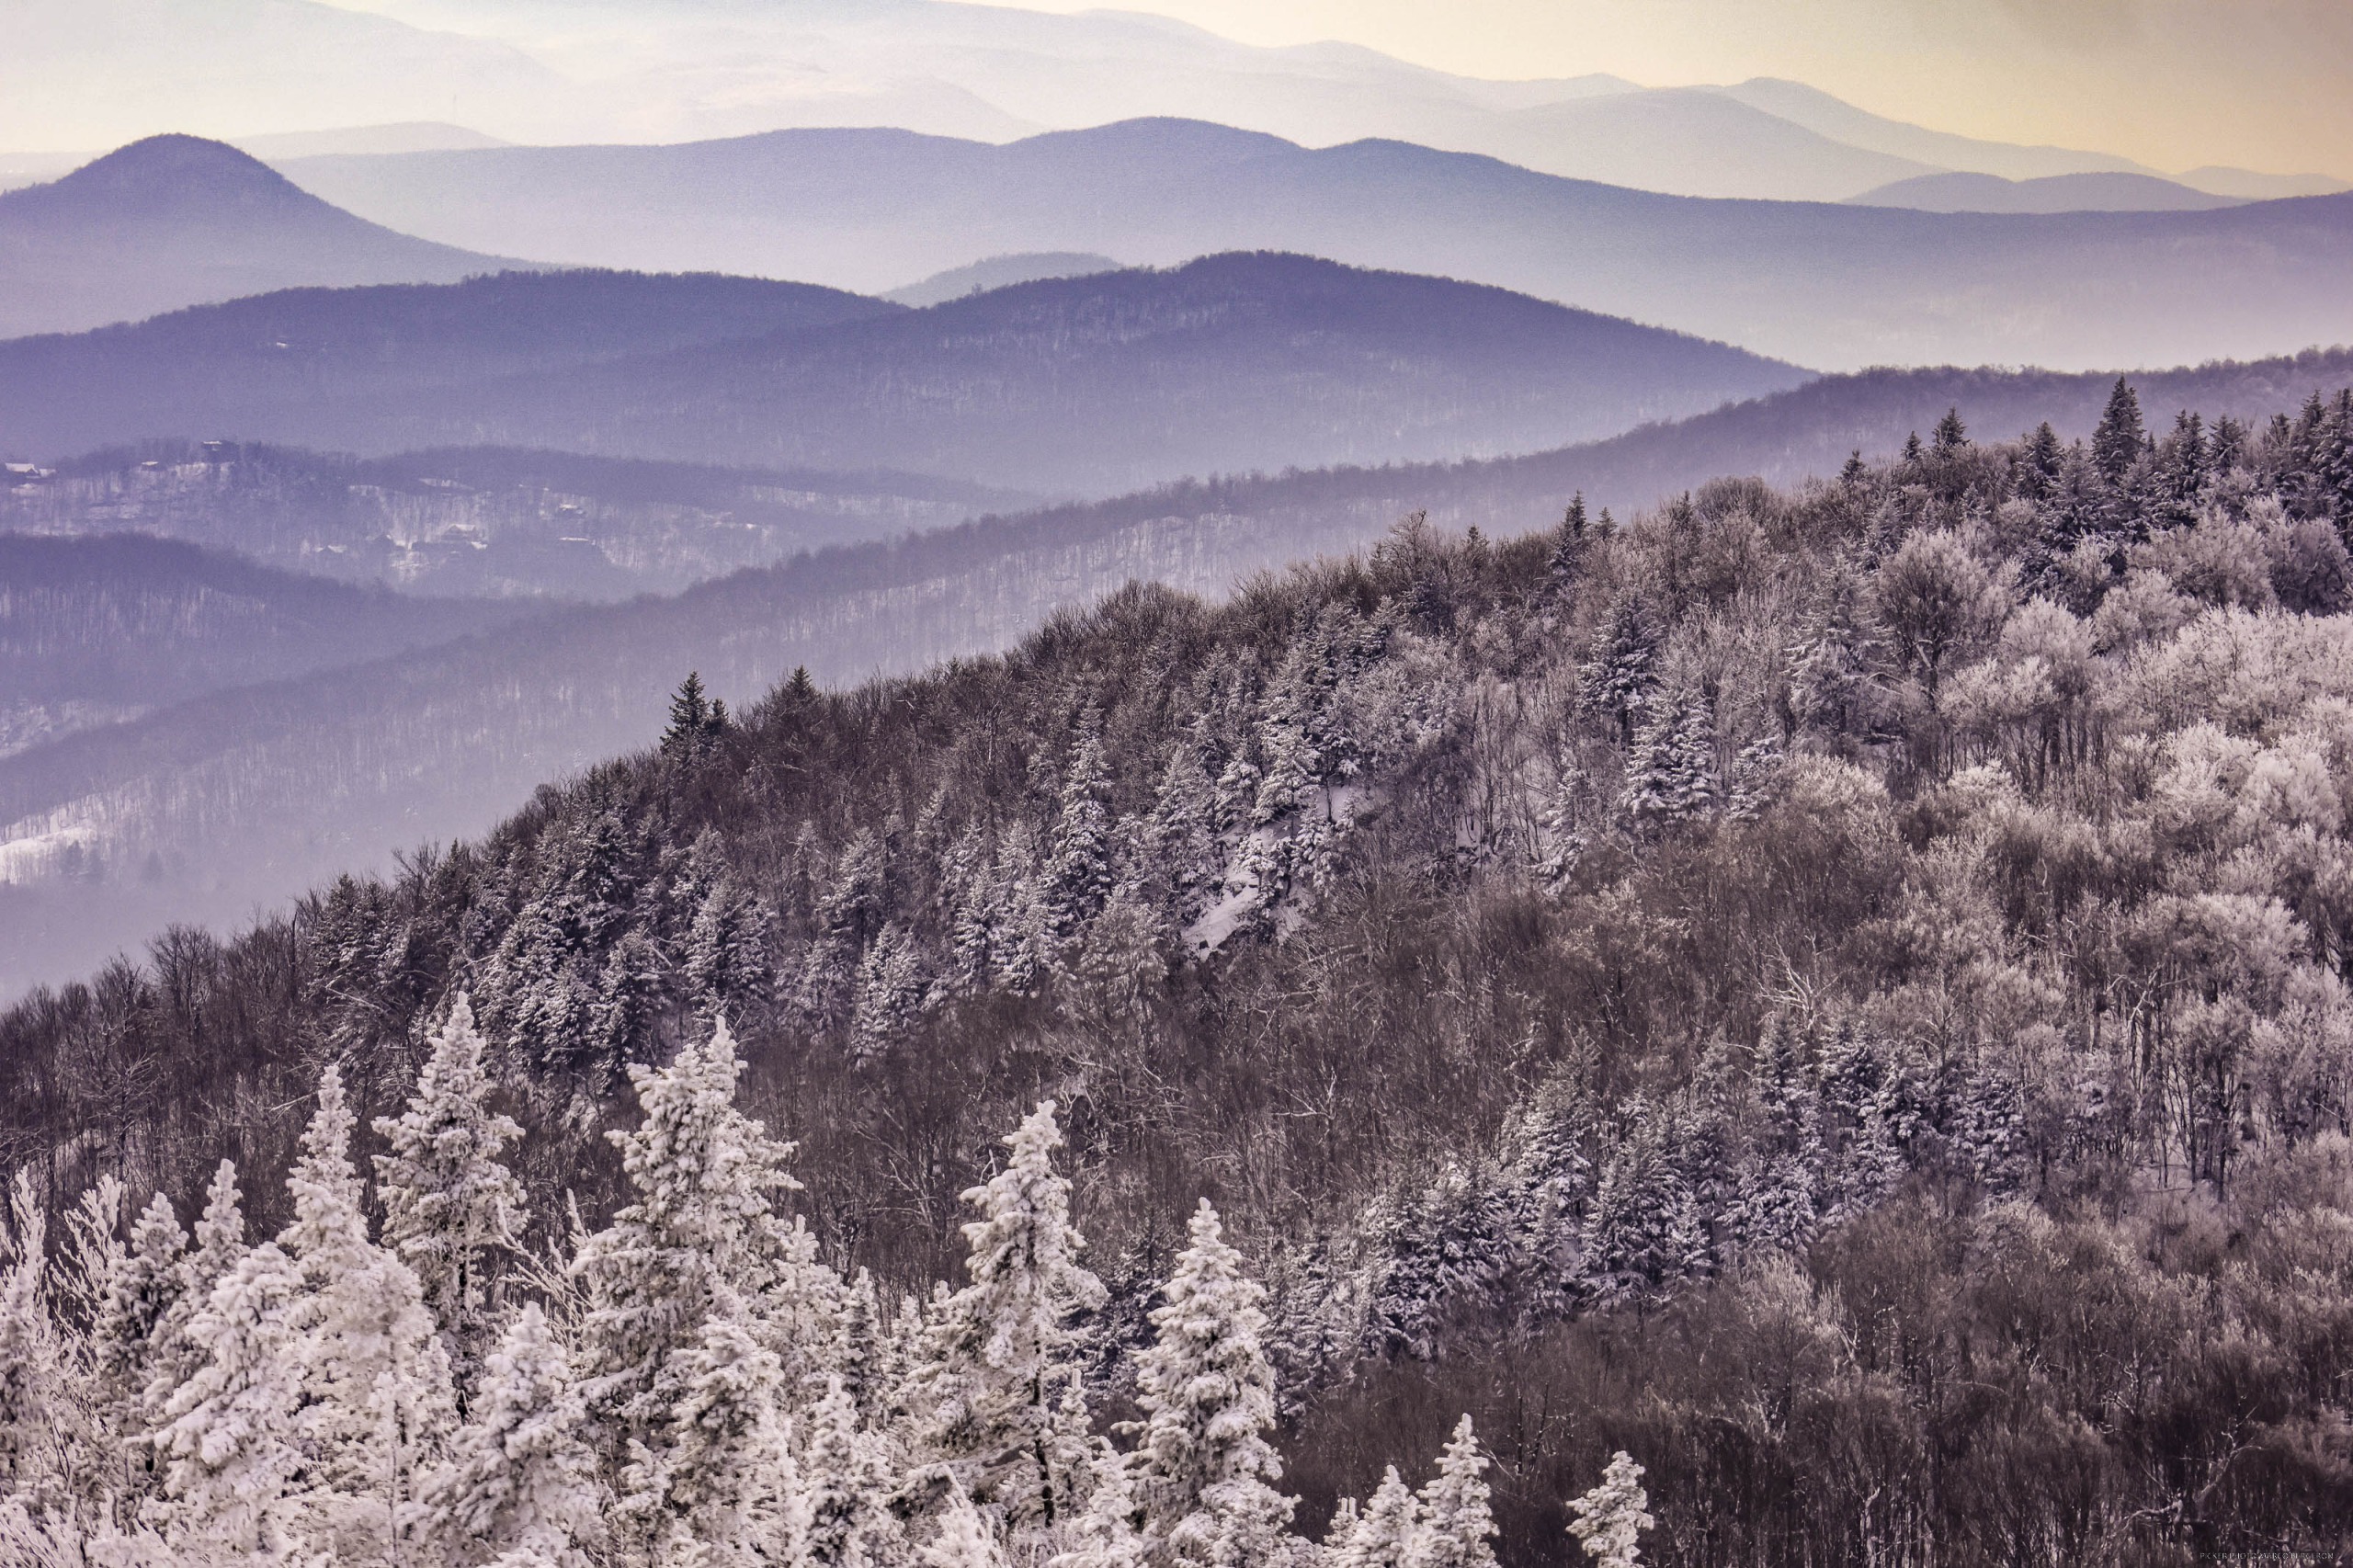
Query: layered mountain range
column 1081, row 385
column 1829, row 285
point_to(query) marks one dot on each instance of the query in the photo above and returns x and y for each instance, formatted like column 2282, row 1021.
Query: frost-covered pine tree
column 858, row 1350
column 1205, row 1473
column 849, row 1482
column 718, row 1486
column 1387, row 1531
column 452, row 1211
column 220, row 1243
column 1001, row 1359
column 377, row 1403
column 727, row 966
column 1617, row 679
column 702, row 1225
column 890, row 997
column 1671, row 773
column 1181, row 836
column 1641, row 1230
column 1457, row 1527
column 1022, row 938
column 1339, row 1533
column 1079, row 859
column 229, row 1438
column 1105, row 1534
column 124, row 1339
column 30, row 1385
column 1611, row 1517
column 966, row 1539
column 519, row 1486
column 1451, row 1242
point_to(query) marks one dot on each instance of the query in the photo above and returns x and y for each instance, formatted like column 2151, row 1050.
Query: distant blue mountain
column 175, row 220
column 2107, row 192
column 1828, row 284
column 1071, row 385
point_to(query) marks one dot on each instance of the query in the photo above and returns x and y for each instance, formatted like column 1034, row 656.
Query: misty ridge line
column 1093, row 383
column 1828, row 284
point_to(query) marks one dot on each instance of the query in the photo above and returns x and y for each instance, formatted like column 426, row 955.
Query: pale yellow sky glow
column 2262, row 84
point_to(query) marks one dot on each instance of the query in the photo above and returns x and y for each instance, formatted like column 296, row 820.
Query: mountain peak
column 173, row 176
column 176, row 220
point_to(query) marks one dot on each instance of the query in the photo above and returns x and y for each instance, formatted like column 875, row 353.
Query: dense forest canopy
column 1839, row 993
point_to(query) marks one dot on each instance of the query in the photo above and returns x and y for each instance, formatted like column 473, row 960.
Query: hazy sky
column 2268, row 83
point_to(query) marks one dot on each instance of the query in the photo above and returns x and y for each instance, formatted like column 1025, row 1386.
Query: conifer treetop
column 1457, row 1524
column 1611, row 1517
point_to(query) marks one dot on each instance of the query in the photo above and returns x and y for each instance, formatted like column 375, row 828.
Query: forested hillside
column 483, row 521
column 1839, row 993
column 97, row 630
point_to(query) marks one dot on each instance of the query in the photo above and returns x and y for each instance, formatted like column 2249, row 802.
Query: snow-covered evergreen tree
column 702, row 1225
column 376, row 1403
column 1205, row 1473
column 126, row 1348
column 1457, row 1527
column 965, row 1539
column 1617, row 679
column 727, row 967
column 1079, row 859
column 230, row 1436
column 1181, row 834
column 891, row 992
column 1671, row 773
column 1105, row 1534
column 1611, row 1517
column 32, row 1387
column 1445, row 1245
column 519, row 1486
column 220, row 1243
column 1001, row 1359
column 861, row 1350
column 718, row 1484
column 452, row 1210
column 850, row 1482
column 1388, row 1530
column 1642, row 1228
column 1339, row 1535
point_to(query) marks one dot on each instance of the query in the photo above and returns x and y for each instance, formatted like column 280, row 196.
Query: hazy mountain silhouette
column 2248, row 185
column 101, row 70
column 1074, row 385
column 1686, row 141
column 2053, row 193
column 1841, row 121
column 1832, row 286
column 175, row 220
column 241, row 368
column 999, row 272
column 406, row 136
column 253, row 795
